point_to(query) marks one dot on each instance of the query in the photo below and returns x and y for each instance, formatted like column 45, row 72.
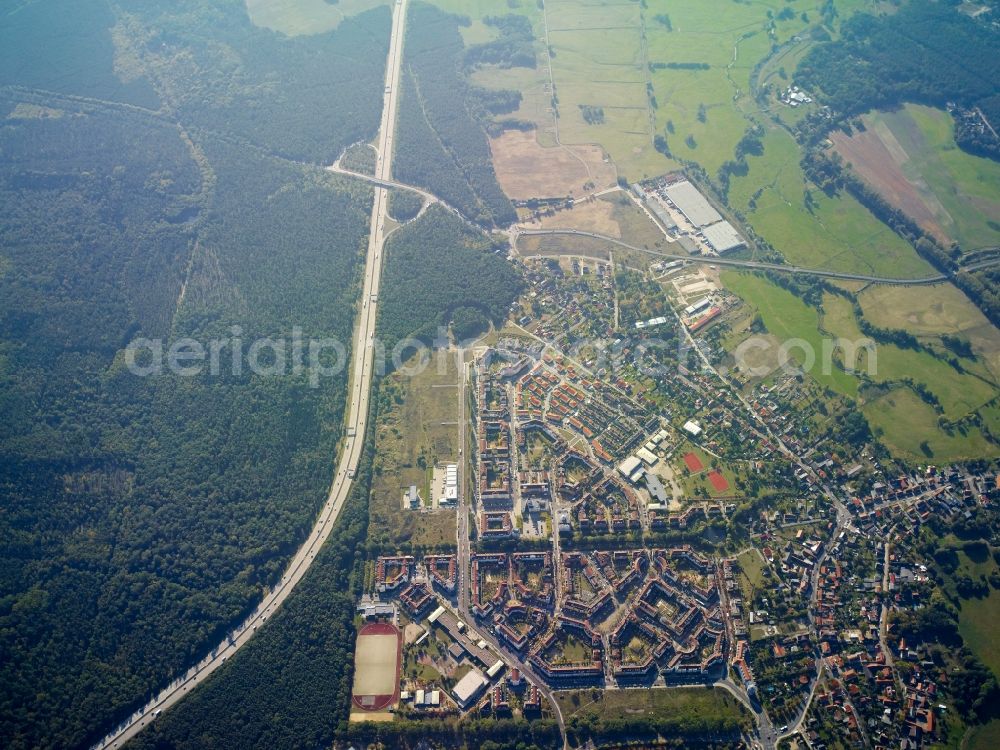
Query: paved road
column 428, row 197
column 360, row 385
column 754, row 264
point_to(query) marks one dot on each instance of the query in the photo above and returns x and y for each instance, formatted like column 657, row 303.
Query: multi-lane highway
column 362, row 361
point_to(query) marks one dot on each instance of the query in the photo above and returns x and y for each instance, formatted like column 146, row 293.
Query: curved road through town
column 357, row 419
column 754, row 264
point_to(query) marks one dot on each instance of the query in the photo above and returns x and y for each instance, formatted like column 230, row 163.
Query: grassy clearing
column 909, row 429
column 751, row 569
column 536, row 102
column 967, row 187
column 839, row 233
column 635, row 226
column 908, row 426
column 587, row 247
column 959, row 393
column 670, row 703
column 985, row 737
column 597, row 60
column 712, row 104
column 788, row 317
column 938, row 310
column 303, row 17
column 977, row 624
column 978, row 616
column 414, row 434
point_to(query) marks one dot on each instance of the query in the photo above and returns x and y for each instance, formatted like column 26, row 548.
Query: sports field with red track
column 377, row 663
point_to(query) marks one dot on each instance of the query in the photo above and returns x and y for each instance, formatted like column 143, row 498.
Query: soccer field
column 376, row 662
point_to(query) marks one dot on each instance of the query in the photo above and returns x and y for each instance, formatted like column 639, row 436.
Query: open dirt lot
column 589, row 247
column 590, row 216
column 527, row 170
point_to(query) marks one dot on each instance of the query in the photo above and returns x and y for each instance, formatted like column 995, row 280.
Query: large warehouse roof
column 692, row 204
column 722, row 236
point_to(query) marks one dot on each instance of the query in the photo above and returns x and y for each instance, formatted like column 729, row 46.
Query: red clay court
column 693, row 462
column 377, row 663
column 719, row 482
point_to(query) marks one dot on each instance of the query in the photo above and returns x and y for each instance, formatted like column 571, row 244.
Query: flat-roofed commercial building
column 692, row 204
column 722, row 237
column 469, row 688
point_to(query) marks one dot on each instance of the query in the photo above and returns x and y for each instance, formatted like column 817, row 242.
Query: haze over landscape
column 499, row 374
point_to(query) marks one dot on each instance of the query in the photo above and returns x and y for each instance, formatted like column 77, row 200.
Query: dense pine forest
column 438, row 266
column 441, row 146
column 144, row 515
column 292, row 683
column 926, row 52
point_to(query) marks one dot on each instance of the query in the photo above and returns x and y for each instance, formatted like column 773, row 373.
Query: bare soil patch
column 880, row 167
column 589, row 216
column 527, row 170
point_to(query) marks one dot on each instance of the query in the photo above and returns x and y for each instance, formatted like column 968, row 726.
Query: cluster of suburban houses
column 870, row 570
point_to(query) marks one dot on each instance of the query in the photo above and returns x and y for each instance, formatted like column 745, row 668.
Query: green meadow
column 788, row 317
column 837, row 233
column 959, row 393
column 963, row 188
column 910, row 427
column 301, row 17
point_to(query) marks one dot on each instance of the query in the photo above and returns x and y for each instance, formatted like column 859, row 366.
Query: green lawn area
column 575, row 651
column 838, row 234
column 598, row 61
column 907, row 423
column 985, row 737
column 959, row 393
column 909, row 427
column 788, row 317
column 937, row 310
column 977, row 621
column 712, row 104
column 668, row 703
column 535, row 100
column 301, row 17
column 752, row 566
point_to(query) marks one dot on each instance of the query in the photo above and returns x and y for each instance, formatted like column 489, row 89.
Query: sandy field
column 527, row 170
